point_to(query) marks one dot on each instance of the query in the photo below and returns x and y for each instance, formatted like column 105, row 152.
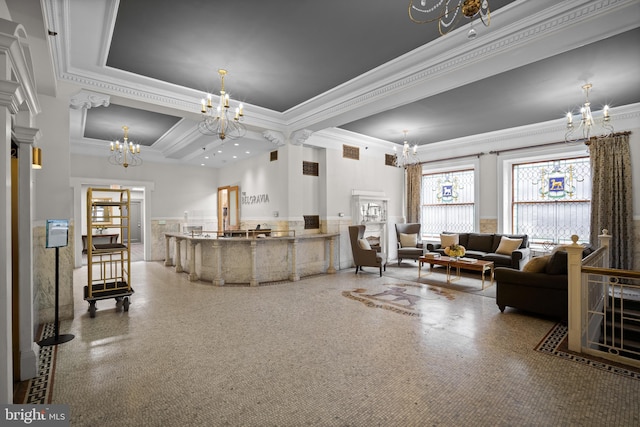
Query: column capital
column 26, row 135
column 10, row 95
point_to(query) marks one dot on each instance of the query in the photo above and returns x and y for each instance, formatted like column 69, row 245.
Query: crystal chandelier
column 218, row 121
column 449, row 12
column 409, row 155
column 126, row 153
column 588, row 123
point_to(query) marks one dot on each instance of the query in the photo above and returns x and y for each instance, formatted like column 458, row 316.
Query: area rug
column 410, row 299
column 555, row 343
column 470, row 282
column 38, row 390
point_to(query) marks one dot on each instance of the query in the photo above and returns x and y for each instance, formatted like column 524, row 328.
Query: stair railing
column 604, row 305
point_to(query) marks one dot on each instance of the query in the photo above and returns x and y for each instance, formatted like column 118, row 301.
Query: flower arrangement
column 455, row 250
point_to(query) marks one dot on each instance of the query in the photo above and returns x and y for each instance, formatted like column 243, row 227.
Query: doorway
column 135, row 216
column 228, row 215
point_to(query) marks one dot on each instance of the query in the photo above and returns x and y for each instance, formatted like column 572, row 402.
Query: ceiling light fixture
column 218, row 121
column 125, row 154
column 449, row 12
column 588, row 123
column 409, row 154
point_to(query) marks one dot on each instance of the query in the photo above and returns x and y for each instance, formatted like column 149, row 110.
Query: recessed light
column 206, row 157
column 235, row 157
column 236, row 144
column 201, row 164
column 247, row 152
column 219, row 151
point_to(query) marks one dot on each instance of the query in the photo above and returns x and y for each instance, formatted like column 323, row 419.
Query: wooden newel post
column 574, row 267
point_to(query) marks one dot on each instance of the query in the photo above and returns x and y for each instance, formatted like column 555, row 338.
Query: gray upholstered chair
column 363, row 255
column 410, row 245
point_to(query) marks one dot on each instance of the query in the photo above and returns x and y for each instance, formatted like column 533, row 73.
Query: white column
column 8, row 104
column 193, row 276
column 167, row 253
column 254, row 263
column 29, row 350
column 331, row 269
column 178, row 256
column 294, row 267
column 217, row 268
column 574, row 254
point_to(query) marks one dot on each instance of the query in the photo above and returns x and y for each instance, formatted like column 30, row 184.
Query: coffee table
column 477, row 265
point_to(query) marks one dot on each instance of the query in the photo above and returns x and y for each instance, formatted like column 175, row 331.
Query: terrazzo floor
column 310, row 353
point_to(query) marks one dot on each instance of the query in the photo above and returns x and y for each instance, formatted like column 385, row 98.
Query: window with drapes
column 448, row 202
column 551, row 200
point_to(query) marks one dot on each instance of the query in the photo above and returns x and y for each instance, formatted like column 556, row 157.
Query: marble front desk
column 241, row 260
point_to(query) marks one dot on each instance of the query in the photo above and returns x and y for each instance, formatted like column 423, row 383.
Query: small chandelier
column 449, row 12
column 587, row 125
column 409, row 155
column 218, row 121
column 126, row 153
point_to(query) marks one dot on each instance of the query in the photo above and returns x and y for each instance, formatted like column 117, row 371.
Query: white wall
column 176, row 188
column 52, row 193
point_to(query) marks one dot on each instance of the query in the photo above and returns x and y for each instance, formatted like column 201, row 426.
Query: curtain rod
column 514, row 149
column 614, row 135
column 452, row 158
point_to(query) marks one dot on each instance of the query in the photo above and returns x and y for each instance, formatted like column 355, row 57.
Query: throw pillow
column 447, row 240
column 507, row 245
column 364, row 244
column 537, row 264
column 408, row 240
column 557, row 263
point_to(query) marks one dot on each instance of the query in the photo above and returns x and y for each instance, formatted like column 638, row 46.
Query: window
column 448, row 202
column 552, row 200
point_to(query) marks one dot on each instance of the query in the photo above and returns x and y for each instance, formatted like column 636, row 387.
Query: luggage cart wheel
column 92, row 309
column 125, row 304
column 119, row 303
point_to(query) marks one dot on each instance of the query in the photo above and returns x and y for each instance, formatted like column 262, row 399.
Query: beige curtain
column 414, row 184
column 611, row 199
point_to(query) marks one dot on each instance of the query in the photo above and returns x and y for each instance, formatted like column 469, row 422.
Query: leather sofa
column 542, row 291
column 483, row 246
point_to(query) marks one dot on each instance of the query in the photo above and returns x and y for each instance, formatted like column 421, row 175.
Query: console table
column 99, row 239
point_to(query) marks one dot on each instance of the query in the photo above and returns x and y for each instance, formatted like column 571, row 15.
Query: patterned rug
column 555, row 344
column 38, row 390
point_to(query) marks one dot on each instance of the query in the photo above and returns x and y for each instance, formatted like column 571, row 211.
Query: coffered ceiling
column 357, row 66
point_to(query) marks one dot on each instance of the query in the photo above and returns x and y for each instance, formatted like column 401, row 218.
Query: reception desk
column 242, row 260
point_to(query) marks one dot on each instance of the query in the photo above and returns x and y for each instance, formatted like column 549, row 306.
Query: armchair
column 409, row 244
column 363, row 255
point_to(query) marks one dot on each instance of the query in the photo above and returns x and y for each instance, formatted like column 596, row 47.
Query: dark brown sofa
column 542, row 293
column 483, row 246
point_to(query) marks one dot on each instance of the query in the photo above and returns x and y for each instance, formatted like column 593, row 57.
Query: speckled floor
column 309, row 353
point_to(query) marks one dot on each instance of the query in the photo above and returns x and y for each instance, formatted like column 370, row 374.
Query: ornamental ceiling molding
column 553, row 20
column 86, row 100
column 300, row 136
column 277, row 138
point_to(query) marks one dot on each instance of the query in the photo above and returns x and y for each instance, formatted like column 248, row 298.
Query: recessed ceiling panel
column 145, row 127
column 278, row 53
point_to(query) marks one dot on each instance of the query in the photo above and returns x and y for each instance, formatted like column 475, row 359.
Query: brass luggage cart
column 108, row 264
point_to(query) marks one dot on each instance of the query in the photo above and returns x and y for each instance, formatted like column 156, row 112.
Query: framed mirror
column 101, row 213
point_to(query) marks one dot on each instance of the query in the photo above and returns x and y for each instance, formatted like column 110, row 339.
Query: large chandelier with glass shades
column 408, row 156
column 221, row 120
column 126, row 153
column 449, row 12
column 587, row 122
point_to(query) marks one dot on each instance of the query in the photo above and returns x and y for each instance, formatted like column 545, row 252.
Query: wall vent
column 311, row 222
column 350, row 152
column 310, row 168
